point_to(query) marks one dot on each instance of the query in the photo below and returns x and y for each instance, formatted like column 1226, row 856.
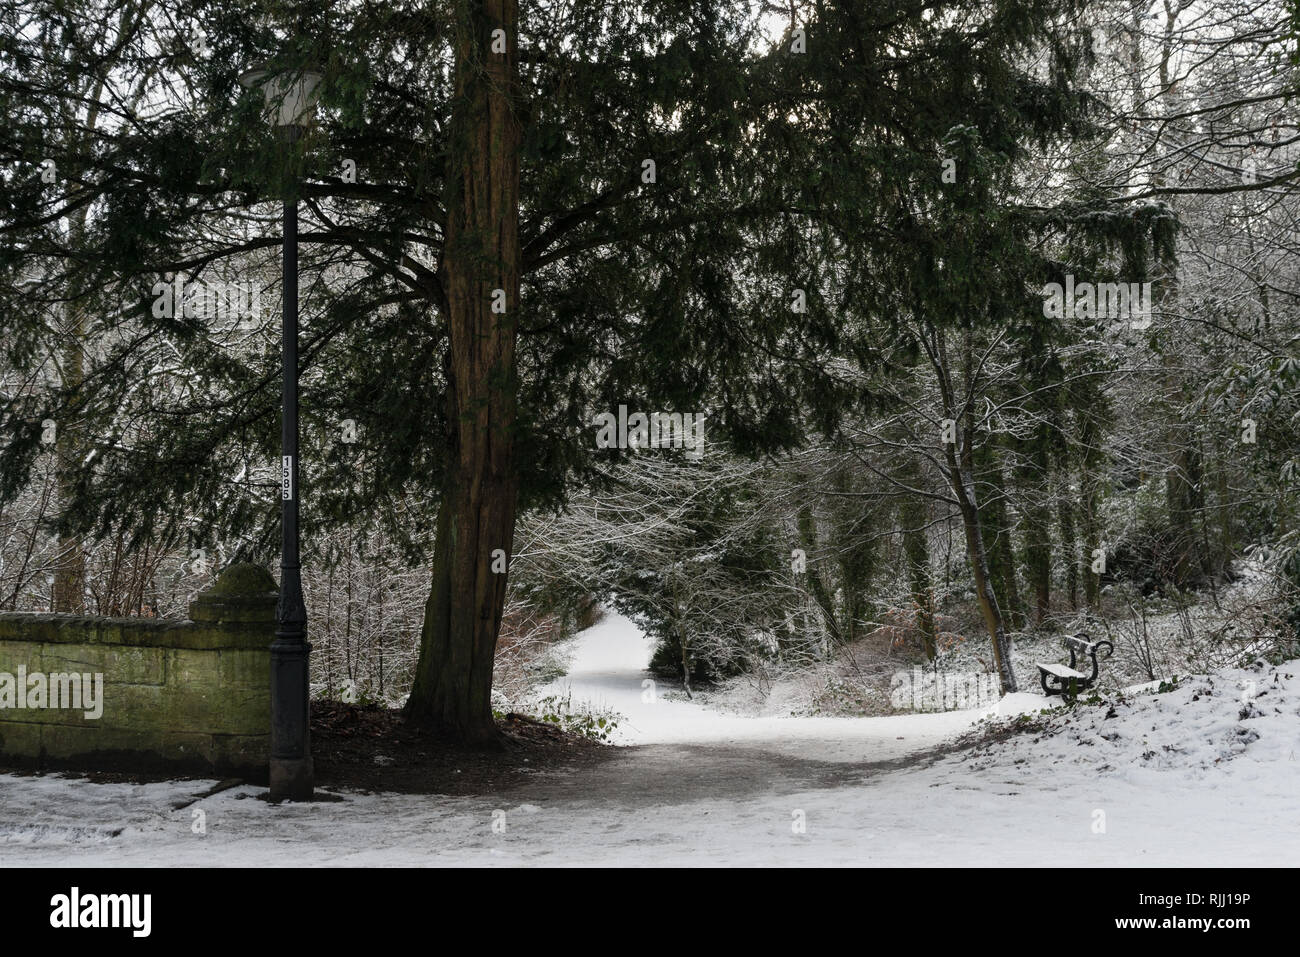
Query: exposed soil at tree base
column 368, row 748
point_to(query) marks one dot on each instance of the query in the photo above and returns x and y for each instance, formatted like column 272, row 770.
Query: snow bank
column 1242, row 722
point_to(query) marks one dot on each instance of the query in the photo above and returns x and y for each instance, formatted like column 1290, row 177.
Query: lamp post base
column 292, row 779
column 291, row 766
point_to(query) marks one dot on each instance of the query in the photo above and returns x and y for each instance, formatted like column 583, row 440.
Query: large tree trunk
column 453, row 678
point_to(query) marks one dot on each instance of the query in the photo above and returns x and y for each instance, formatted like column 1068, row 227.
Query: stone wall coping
column 48, row 628
column 234, row 613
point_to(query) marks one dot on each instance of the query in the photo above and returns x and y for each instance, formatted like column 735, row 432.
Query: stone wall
column 176, row 695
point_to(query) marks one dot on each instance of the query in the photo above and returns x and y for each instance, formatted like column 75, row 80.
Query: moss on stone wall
column 192, row 695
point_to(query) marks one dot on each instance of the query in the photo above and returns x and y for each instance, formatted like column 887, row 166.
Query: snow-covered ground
column 1206, row 774
column 607, row 672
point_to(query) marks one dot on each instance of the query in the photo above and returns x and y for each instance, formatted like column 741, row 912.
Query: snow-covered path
column 1191, row 778
column 607, row 671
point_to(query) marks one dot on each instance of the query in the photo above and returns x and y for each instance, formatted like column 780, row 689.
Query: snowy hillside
column 1241, row 723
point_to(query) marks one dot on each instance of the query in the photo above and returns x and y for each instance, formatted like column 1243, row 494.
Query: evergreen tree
column 513, row 217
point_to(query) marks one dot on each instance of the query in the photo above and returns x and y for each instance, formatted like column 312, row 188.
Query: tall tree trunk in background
column 997, row 532
column 914, row 518
column 963, row 485
column 1090, row 464
column 1183, row 495
column 476, row 517
column 960, row 475
column 1038, row 523
column 856, row 550
column 1227, row 543
column 808, row 536
column 1069, row 543
column 1184, row 500
column 70, row 573
column 679, row 625
column 70, row 570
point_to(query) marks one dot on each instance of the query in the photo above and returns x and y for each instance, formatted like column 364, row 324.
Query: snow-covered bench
column 1068, row 679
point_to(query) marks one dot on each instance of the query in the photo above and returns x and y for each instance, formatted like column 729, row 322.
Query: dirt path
column 655, row 775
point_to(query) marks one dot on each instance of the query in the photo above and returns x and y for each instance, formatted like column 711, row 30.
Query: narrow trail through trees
column 677, row 749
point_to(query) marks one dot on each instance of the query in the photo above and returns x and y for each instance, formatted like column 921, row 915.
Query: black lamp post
column 290, row 105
